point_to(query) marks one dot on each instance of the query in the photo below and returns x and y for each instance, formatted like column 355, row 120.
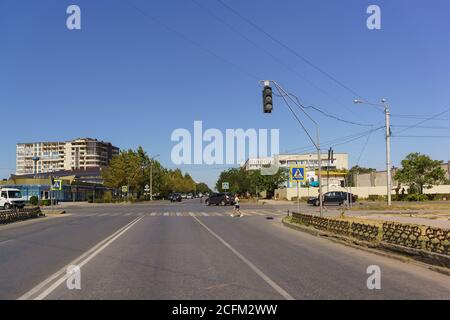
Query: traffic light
column 267, row 99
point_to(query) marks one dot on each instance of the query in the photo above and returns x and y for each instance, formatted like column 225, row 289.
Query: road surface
column 191, row 251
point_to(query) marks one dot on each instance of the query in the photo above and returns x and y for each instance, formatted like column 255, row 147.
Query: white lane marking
column 62, row 274
column 128, row 214
column 6, row 241
column 205, row 214
column 178, row 214
column 269, row 281
column 191, row 214
column 103, row 214
column 217, row 214
column 166, row 214
column 153, row 214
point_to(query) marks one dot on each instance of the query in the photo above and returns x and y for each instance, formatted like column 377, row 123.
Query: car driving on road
column 222, row 199
column 334, row 197
column 175, row 197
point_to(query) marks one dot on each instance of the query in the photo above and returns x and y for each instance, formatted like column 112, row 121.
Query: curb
column 381, row 249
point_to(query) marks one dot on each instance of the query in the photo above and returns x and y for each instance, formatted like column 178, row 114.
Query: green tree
column 202, row 188
column 243, row 181
column 420, row 172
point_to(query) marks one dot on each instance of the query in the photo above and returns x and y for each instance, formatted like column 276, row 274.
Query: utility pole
column 388, row 152
column 387, row 114
column 151, row 176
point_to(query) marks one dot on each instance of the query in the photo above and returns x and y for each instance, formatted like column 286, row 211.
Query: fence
column 8, row 216
column 406, row 235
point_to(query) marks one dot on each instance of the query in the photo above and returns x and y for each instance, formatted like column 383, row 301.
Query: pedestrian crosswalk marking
column 260, row 213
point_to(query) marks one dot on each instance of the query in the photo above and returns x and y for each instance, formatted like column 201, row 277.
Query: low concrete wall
column 361, row 192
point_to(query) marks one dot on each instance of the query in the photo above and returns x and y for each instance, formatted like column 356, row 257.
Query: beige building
column 309, row 160
column 42, row 157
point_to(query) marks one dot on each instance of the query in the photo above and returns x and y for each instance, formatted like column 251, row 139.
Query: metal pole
column 320, row 173
column 151, row 180
column 388, row 153
column 298, row 198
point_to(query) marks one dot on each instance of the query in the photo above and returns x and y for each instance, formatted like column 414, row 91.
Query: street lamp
column 383, row 106
column 151, row 176
column 267, row 104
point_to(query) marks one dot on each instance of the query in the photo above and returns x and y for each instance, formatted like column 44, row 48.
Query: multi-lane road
column 190, row 251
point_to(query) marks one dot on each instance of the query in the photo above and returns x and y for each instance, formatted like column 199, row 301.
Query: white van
column 11, row 198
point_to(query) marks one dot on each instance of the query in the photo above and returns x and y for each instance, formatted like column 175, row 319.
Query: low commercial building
column 76, row 185
column 310, row 161
column 44, row 157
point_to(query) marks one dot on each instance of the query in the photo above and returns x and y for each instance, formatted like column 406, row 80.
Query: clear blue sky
column 125, row 78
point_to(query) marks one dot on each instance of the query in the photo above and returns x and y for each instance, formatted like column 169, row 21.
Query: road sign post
column 297, row 174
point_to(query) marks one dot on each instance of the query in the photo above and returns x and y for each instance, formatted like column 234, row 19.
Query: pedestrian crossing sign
column 297, row 174
column 57, row 185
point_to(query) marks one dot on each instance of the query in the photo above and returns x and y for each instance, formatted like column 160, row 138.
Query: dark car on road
column 175, row 197
column 222, row 199
column 334, row 197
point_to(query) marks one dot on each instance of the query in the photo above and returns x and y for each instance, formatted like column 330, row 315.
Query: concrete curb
column 433, row 261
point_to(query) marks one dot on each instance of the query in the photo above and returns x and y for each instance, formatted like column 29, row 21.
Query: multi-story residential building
column 78, row 154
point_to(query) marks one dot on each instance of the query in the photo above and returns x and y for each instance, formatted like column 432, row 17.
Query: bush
column 376, row 197
column 90, row 198
column 416, row 197
column 34, row 201
column 107, row 197
column 45, row 202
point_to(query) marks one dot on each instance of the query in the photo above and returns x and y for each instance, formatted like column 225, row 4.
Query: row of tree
column 251, row 181
column 133, row 168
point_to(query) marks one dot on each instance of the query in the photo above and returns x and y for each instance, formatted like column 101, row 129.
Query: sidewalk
column 427, row 219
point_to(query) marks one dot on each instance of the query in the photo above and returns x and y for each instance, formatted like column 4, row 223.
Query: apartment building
column 78, row 154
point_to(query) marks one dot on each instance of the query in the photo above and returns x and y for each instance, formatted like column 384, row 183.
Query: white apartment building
column 42, row 157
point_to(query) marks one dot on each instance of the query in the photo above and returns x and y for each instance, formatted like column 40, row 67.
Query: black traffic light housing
column 267, row 99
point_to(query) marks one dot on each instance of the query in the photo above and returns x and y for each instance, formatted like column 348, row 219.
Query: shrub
column 90, row 198
column 416, row 197
column 107, row 197
column 376, row 197
column 34, row 200
column 45, row 202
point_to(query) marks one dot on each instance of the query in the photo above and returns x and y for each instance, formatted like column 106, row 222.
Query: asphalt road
column 191, row 251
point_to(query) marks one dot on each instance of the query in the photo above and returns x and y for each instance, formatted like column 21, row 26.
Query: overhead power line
column 325, row 113
column 421, row 122
column 193, row 42
column 270, row 54
column 294, row 52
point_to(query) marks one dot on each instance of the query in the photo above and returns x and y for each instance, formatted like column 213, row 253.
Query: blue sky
column 127, row 79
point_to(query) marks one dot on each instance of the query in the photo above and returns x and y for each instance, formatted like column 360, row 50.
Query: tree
column 243, row 181
column 420, row 172
column 202, row 188
column 132, row 168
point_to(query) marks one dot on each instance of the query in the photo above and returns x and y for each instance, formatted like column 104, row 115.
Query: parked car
column 11, row 198
column 189, row 196
column 175, row 197
column 334, row 197
column 222, row 199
